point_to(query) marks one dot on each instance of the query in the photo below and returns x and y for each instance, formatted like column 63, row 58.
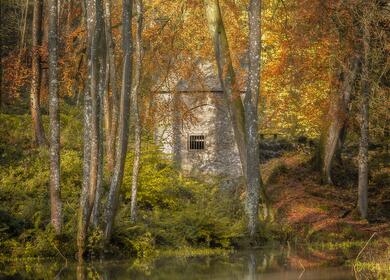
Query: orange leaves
column 16, row 73
column 72, row 69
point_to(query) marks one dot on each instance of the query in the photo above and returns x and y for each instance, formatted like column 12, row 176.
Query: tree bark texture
column 137, row 122
column 123, row 123
column 253, row 179
column 338, row 114
column 111, row 103
column 92, row 119
column 39, row 133
column 364, row 122
column 227, row 76
column 100, row 178
column 55, row 192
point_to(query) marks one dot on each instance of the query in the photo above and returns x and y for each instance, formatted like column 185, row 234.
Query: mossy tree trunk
column 251, row 101
column 38, row 131
column 338, row 117
column 244, row 122
column 123, row 123
column 111, row 103
column 55, row 192
column 227, row 76
column 92, row 119
column 136, row 103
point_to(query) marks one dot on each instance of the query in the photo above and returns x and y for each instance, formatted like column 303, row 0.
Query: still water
column 263, row 264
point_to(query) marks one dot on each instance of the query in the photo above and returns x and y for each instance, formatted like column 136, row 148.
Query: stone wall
column 199, row 113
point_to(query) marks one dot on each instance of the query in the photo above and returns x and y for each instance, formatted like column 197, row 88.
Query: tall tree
column 244, row 121
column 253, row 179
column 55, row 193
column 121, row 147
column 39, row 133
column 365, row 89
column 100, row 168
column 137, row 122
column 227, row 75
column 345, row 72
column 339, row 114
column 92, row 119
column 111, row 107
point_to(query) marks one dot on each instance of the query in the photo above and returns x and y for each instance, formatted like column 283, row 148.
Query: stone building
column 194, row 125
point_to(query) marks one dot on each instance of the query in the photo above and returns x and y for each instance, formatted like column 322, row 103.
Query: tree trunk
column 339, row 111
column 100, row 178
column 364, row 134
column 92, row 111
column 55, row 194
column 39, row 133
column 121, row 147
column 82, row 215
column 23, row 31
column 340, row 145
column 137, row 122
column 253, row 179
column 227, row 76
column 111, row 107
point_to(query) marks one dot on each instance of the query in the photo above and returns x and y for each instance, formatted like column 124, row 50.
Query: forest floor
column 311, row 208
column 323, row 216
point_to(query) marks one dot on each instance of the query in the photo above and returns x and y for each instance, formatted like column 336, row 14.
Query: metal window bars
column 196, row 142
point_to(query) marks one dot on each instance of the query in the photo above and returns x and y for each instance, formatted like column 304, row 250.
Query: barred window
column 196, row 142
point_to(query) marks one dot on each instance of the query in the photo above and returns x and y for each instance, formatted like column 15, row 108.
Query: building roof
column 204, row 77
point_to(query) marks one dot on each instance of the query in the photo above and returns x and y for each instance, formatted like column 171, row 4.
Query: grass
column 194, row 252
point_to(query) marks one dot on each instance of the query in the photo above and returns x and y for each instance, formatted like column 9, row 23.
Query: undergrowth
column 174, row 211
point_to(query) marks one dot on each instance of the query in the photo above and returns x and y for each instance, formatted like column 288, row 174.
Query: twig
column 361, row 251
column 303, row 271
column 66, row 260
column 364, row 247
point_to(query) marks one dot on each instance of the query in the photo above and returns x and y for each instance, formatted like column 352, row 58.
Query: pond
column 266, row 264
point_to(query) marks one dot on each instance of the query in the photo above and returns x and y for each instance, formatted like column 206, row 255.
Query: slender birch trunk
column 227, row 76
column 253, row 179
column 39, row 133
column 55, row 192
column 121, row 147
column 111, row 105
column 82, row 215
column 100, row 178
column 137, row 122
column 23, row 31
column 92, row 115
column 83, row 218
column 364, row 133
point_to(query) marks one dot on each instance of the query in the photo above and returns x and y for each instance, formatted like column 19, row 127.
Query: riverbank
column 267, row 263
column 325, row 217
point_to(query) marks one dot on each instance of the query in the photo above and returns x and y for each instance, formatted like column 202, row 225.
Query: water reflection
column 254, row 265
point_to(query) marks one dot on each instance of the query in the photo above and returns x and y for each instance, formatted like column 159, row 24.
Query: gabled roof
column 204, row 77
